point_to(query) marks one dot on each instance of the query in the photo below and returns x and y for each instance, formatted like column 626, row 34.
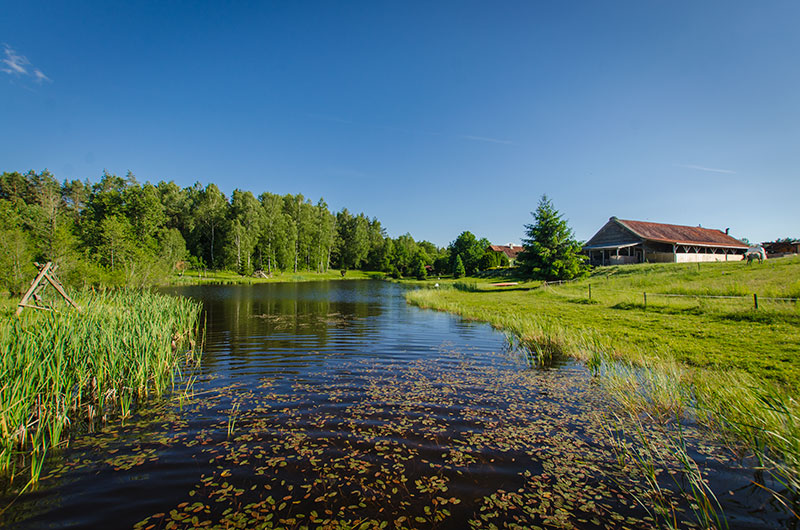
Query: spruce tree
column 550, row 251
column 419, row 269
column 458, row 270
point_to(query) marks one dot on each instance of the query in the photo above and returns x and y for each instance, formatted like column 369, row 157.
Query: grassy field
column 694, row 328
column 230, row 277
column 667, row 341
column 66, row 368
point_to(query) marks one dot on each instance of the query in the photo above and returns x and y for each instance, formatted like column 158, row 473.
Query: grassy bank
column 230, row 277
column 715, row 360
column 63, row 369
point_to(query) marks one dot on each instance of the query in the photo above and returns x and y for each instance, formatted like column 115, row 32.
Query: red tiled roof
column 510, row 251
column 681, row 234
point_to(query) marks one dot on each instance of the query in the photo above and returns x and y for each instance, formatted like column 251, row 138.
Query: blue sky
column 435, row 117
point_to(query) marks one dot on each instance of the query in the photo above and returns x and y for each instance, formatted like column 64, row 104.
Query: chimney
column 726, row 231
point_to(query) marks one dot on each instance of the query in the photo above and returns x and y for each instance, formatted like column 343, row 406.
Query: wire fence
column 753, row 296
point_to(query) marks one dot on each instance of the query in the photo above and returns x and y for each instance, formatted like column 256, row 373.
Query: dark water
column 336, row 405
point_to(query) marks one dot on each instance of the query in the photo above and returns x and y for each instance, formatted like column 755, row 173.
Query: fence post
column 590, row 291
column 755, row 300
column 645, row 301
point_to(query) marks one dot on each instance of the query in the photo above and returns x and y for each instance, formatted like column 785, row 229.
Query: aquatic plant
column 233, row 414
column 63, row 369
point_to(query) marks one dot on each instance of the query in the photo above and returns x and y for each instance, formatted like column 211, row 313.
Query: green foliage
column 209, row 217
column 441, row 264
column 469, row 287
column 354, row 236
column 458, row 269
column 16, row 267
column 550, row 249
column 492, row 259
column 420, row 272
column 470, row 249
column 123, row 233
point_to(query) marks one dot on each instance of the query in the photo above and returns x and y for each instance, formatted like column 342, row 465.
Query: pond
column 336, row 405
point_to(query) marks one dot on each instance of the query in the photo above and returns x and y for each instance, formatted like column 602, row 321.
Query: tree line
column 118, row 231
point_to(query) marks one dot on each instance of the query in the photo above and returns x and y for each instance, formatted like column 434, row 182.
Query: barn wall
column 612, row 234
column 666, row 257
column 693, row 258
column 622, row 260
column 659, row 257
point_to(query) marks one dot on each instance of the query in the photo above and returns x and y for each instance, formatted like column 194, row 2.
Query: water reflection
column 336, row 404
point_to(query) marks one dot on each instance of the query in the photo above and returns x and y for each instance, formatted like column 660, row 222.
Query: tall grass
column 62, row 369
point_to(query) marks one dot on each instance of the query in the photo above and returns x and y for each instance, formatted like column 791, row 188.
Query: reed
column 64, row 370
column 644, row 452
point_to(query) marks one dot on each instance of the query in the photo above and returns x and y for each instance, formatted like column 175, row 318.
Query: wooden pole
column 645, row 301
column 590, row 291
column 46, row 272
column 755, row 300
column 34, row 285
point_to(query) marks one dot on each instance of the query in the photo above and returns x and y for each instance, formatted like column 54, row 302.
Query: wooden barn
column 621, row 241
column 777, row 249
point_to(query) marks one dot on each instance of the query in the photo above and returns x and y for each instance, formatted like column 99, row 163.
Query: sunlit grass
column 64, row 368
column 718, row 361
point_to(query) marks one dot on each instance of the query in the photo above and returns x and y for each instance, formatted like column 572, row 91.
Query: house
column 777, row 249
column 511, row 251
column 622, row 241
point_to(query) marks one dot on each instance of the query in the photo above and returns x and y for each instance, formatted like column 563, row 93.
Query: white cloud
column 704, row 168
column 40, row 76
column 18, row 65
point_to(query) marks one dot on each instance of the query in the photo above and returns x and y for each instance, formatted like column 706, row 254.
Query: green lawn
column 718, row 333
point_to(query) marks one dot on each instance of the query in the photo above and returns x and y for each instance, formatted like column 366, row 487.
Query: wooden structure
column 621, row 241
column 47, row 275
column 777, row 249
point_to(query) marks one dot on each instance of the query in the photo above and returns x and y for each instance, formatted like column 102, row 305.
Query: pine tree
column 420, row 271
column 458, row 270
column 550, row 250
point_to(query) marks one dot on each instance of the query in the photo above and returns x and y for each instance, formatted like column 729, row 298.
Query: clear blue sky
column 435, row 117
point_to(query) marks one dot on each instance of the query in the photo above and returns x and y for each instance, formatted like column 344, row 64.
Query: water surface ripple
column 336, row 405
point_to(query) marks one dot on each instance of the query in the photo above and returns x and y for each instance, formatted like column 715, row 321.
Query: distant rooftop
column 511, row 250
column 679, row 234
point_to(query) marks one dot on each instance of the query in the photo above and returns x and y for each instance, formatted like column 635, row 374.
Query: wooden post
column 32, row 288
column 46, row 272
column 755, row 300
column 590, row 291
column 645, row 301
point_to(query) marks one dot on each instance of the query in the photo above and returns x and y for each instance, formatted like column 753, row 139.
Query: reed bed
column 66, row 369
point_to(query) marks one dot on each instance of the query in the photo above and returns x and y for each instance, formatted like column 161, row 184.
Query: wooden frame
column 46, row 272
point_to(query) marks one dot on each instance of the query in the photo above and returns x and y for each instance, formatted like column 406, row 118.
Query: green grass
column 715, row 333
column 718, row 361
column 230, row 277
column 61, row 370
